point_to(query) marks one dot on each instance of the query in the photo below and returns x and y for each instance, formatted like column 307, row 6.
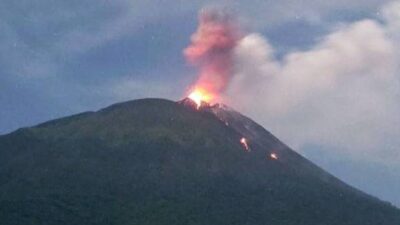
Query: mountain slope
column 155, row 161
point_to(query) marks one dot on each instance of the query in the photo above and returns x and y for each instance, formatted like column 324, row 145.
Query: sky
column 323, row 76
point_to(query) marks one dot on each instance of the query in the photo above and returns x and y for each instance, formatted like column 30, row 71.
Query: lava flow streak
column 243, row 141
column 273, row 156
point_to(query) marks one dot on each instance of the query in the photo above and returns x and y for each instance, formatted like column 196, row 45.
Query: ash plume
column 211, row 50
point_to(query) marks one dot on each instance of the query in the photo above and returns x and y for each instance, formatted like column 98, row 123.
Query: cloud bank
column 343, row 93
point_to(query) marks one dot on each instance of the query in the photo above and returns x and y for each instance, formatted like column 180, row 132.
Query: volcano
column 155, row 161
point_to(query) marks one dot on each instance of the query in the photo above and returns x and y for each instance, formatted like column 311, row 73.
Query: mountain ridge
column 155, row 161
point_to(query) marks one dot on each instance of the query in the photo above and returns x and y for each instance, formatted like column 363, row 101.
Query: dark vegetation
column 154, row 161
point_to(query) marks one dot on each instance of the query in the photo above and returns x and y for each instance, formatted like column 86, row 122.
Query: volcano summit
column 155, row 161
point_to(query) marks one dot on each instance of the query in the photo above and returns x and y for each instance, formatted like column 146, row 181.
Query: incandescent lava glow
column 273, row 156
column 211, row 51
column 199, row 95
column 243, row 141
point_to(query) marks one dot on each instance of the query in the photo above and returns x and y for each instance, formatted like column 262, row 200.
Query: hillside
column 155, row 161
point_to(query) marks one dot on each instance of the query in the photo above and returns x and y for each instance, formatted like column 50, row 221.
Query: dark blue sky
column 64, row 57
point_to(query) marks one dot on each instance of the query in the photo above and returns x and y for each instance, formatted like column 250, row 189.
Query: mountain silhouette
column 155, row 161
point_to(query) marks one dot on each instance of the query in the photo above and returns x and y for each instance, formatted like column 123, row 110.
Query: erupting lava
column 199, row 95
column 211, row 51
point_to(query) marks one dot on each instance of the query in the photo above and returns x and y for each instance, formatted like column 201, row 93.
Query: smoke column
column 211, row 50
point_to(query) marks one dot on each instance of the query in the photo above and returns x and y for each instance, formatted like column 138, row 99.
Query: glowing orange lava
column 243, row 141
column 200, row 95
column 274, row 156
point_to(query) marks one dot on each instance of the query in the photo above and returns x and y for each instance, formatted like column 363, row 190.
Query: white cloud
column 59, row 30
column 391, row 14
column 342, row 93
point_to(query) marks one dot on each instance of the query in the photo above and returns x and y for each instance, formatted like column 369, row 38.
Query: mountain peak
column 155, row 161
